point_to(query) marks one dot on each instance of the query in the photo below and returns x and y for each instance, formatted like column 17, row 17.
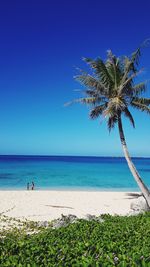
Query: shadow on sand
column 133, row 195
column 60, row 207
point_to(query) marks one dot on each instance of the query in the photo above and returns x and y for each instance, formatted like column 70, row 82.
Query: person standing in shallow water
column 28, row 186
column 32, row 187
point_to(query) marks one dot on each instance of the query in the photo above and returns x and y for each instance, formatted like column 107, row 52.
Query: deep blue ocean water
column 68, row 172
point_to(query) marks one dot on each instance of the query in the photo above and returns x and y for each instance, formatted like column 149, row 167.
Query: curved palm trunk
column 142, row 186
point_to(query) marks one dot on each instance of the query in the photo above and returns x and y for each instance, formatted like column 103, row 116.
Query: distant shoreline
column 70, row 156
column 73, row 189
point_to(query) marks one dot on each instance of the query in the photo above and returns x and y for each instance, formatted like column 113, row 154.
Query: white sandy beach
column 49, row 205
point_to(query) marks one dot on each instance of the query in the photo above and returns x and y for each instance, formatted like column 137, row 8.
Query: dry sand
column 49, row 205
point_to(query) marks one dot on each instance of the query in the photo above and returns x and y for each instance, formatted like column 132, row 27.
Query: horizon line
column 92, row 156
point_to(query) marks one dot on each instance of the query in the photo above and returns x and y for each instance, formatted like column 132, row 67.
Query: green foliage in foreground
column 117, row 241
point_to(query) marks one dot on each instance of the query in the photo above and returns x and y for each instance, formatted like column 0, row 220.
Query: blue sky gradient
column 42, row 43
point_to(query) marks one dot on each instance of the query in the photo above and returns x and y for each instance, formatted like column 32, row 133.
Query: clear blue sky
column 41, row 43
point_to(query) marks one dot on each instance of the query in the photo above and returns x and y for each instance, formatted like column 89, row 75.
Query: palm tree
column 110, row 90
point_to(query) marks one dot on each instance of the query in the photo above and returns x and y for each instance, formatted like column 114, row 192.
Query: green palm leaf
column 91, row 82
column 100, row 70
column 141, row 100
column 140, row 107
column 139, row 88
column 129, row 116
column 135, row 59
column 111, row 122
column 97, row 111
column 110, row 87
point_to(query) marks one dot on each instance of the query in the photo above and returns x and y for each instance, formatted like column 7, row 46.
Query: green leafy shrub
column 117, row 241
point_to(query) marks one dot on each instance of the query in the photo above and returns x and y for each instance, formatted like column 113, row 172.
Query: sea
column 71, row 173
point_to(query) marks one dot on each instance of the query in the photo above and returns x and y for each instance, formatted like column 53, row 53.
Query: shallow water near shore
column 71, row 173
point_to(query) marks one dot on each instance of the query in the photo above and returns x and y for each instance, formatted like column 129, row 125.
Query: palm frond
column 141, row 100
column 100, row 70
column 91, row 92
column 128, row 81
column 141, row 107
column 139, row 88
column 87, row 100
column 131, row 63
column 87, row 80
column 137, row 53
column 95, row 93
column 83, row 100
column 116, row 75
column 97, row 111
column 126, row 64
column 129, row 116
column 113, row 67
column 111, row 122
column 135, row 59
column 93, row 83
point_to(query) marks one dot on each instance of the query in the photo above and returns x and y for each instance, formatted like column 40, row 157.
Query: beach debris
column 43, row 224
column 90, row 217
column 116, row 259
column 64, row 221
column 139, row 205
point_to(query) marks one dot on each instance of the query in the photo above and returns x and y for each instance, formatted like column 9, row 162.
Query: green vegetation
column 115, row 241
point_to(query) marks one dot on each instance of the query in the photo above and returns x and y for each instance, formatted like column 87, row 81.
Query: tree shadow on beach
column 60, row 207
column 133, row 195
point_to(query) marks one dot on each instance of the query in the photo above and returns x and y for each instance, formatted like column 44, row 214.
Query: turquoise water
column 81, row 173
